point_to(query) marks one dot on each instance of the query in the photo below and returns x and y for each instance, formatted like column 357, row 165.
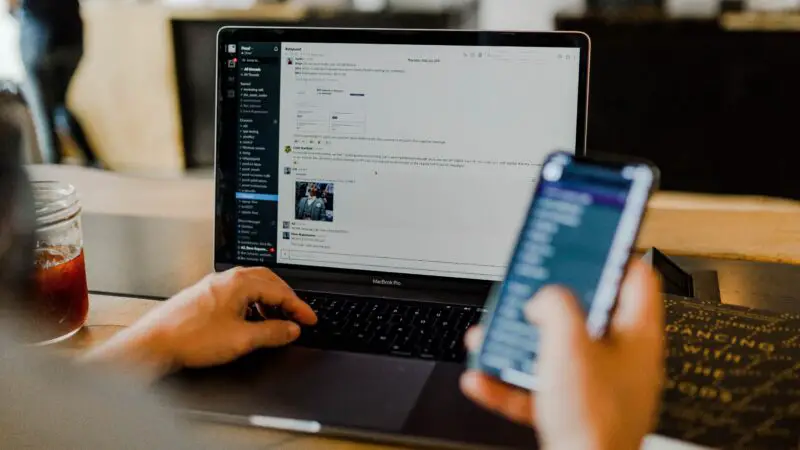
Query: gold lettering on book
column 699, row 369
column 712, row 354
column 793, row 409
column 703, row 392
column 702, row 418
column 722, row 338
column 704, row 334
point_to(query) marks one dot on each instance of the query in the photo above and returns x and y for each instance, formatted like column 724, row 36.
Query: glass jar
column 61, row 301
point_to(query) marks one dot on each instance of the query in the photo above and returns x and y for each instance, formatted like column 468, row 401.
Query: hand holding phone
column 579, row 232
column 598, row 394
column 597, row 377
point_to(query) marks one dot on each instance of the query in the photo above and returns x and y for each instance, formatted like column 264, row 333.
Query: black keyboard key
column 380, row 328
column 447, row 335
column 337, row 324
column 422, row 333
column 398, row 309
column 451, row 357
column 401, row 349
column 378, row 308
column 370, row 326
column 452, row 346
column 409, row 341
column 360, row 341
column 337, row 313
column 401, row 332
column 356, row 326
column 354, row 306
column 424, row 350
column 381, row 343
column 398, row 319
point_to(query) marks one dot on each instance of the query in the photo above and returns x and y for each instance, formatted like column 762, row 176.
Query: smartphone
column 579, row 233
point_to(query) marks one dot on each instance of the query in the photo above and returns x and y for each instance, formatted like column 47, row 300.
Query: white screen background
column 433, row 151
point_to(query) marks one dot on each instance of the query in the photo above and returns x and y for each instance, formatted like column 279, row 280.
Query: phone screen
column 579, row 232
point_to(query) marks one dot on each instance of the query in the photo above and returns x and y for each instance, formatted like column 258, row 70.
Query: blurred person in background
column 51, row 46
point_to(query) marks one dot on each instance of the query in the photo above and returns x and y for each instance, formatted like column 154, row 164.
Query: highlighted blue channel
column 252, row 196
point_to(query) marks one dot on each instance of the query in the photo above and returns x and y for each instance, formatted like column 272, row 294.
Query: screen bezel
column 236, row 35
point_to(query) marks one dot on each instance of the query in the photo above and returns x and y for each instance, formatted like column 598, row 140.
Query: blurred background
column 706, row 89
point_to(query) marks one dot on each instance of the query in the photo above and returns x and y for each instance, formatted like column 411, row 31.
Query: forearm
column 133, row 351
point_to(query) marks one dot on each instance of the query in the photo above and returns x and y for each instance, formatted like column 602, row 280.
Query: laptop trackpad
column 334, row 388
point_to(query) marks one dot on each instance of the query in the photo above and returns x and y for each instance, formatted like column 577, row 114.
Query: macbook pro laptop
column 384, row 175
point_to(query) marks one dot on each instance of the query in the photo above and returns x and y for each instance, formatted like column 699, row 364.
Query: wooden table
column 739, row 228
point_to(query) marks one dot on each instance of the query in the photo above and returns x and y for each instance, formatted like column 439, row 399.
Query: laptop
column 384, row 175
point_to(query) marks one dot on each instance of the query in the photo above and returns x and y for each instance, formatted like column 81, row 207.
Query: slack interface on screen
column 394, row 158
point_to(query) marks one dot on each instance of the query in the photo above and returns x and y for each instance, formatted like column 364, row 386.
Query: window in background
column 523, row 14
column 10, row 66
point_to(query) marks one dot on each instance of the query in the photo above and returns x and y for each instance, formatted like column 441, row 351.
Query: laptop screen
column 388, row 158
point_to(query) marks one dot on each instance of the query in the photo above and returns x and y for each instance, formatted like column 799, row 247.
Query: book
column 733, row 376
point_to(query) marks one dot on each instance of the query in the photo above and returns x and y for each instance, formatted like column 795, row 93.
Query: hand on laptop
column 592, row 394
column 204, row 325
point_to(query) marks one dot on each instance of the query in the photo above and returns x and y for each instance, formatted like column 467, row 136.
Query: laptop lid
column 391, row 158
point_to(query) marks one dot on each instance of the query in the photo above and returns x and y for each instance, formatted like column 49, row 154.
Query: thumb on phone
column 561, row 321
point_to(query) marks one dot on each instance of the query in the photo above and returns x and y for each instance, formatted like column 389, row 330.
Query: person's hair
column 16, row 219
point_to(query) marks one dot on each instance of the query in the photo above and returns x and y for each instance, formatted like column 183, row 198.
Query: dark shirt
column 51, row 8
column 58, row 21
column 46, row 403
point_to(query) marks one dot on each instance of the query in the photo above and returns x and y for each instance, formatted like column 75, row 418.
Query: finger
column 640, row 310
column 285, row 297
column 266, row 276
column 513, row 403
column 560, row 319
column 250, row 285
column 294, row 306
column 474, row 338
column 271, row 333
column 249, row 282
column 264, row 273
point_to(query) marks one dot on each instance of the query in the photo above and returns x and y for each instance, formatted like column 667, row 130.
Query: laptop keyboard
column 400, row 328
